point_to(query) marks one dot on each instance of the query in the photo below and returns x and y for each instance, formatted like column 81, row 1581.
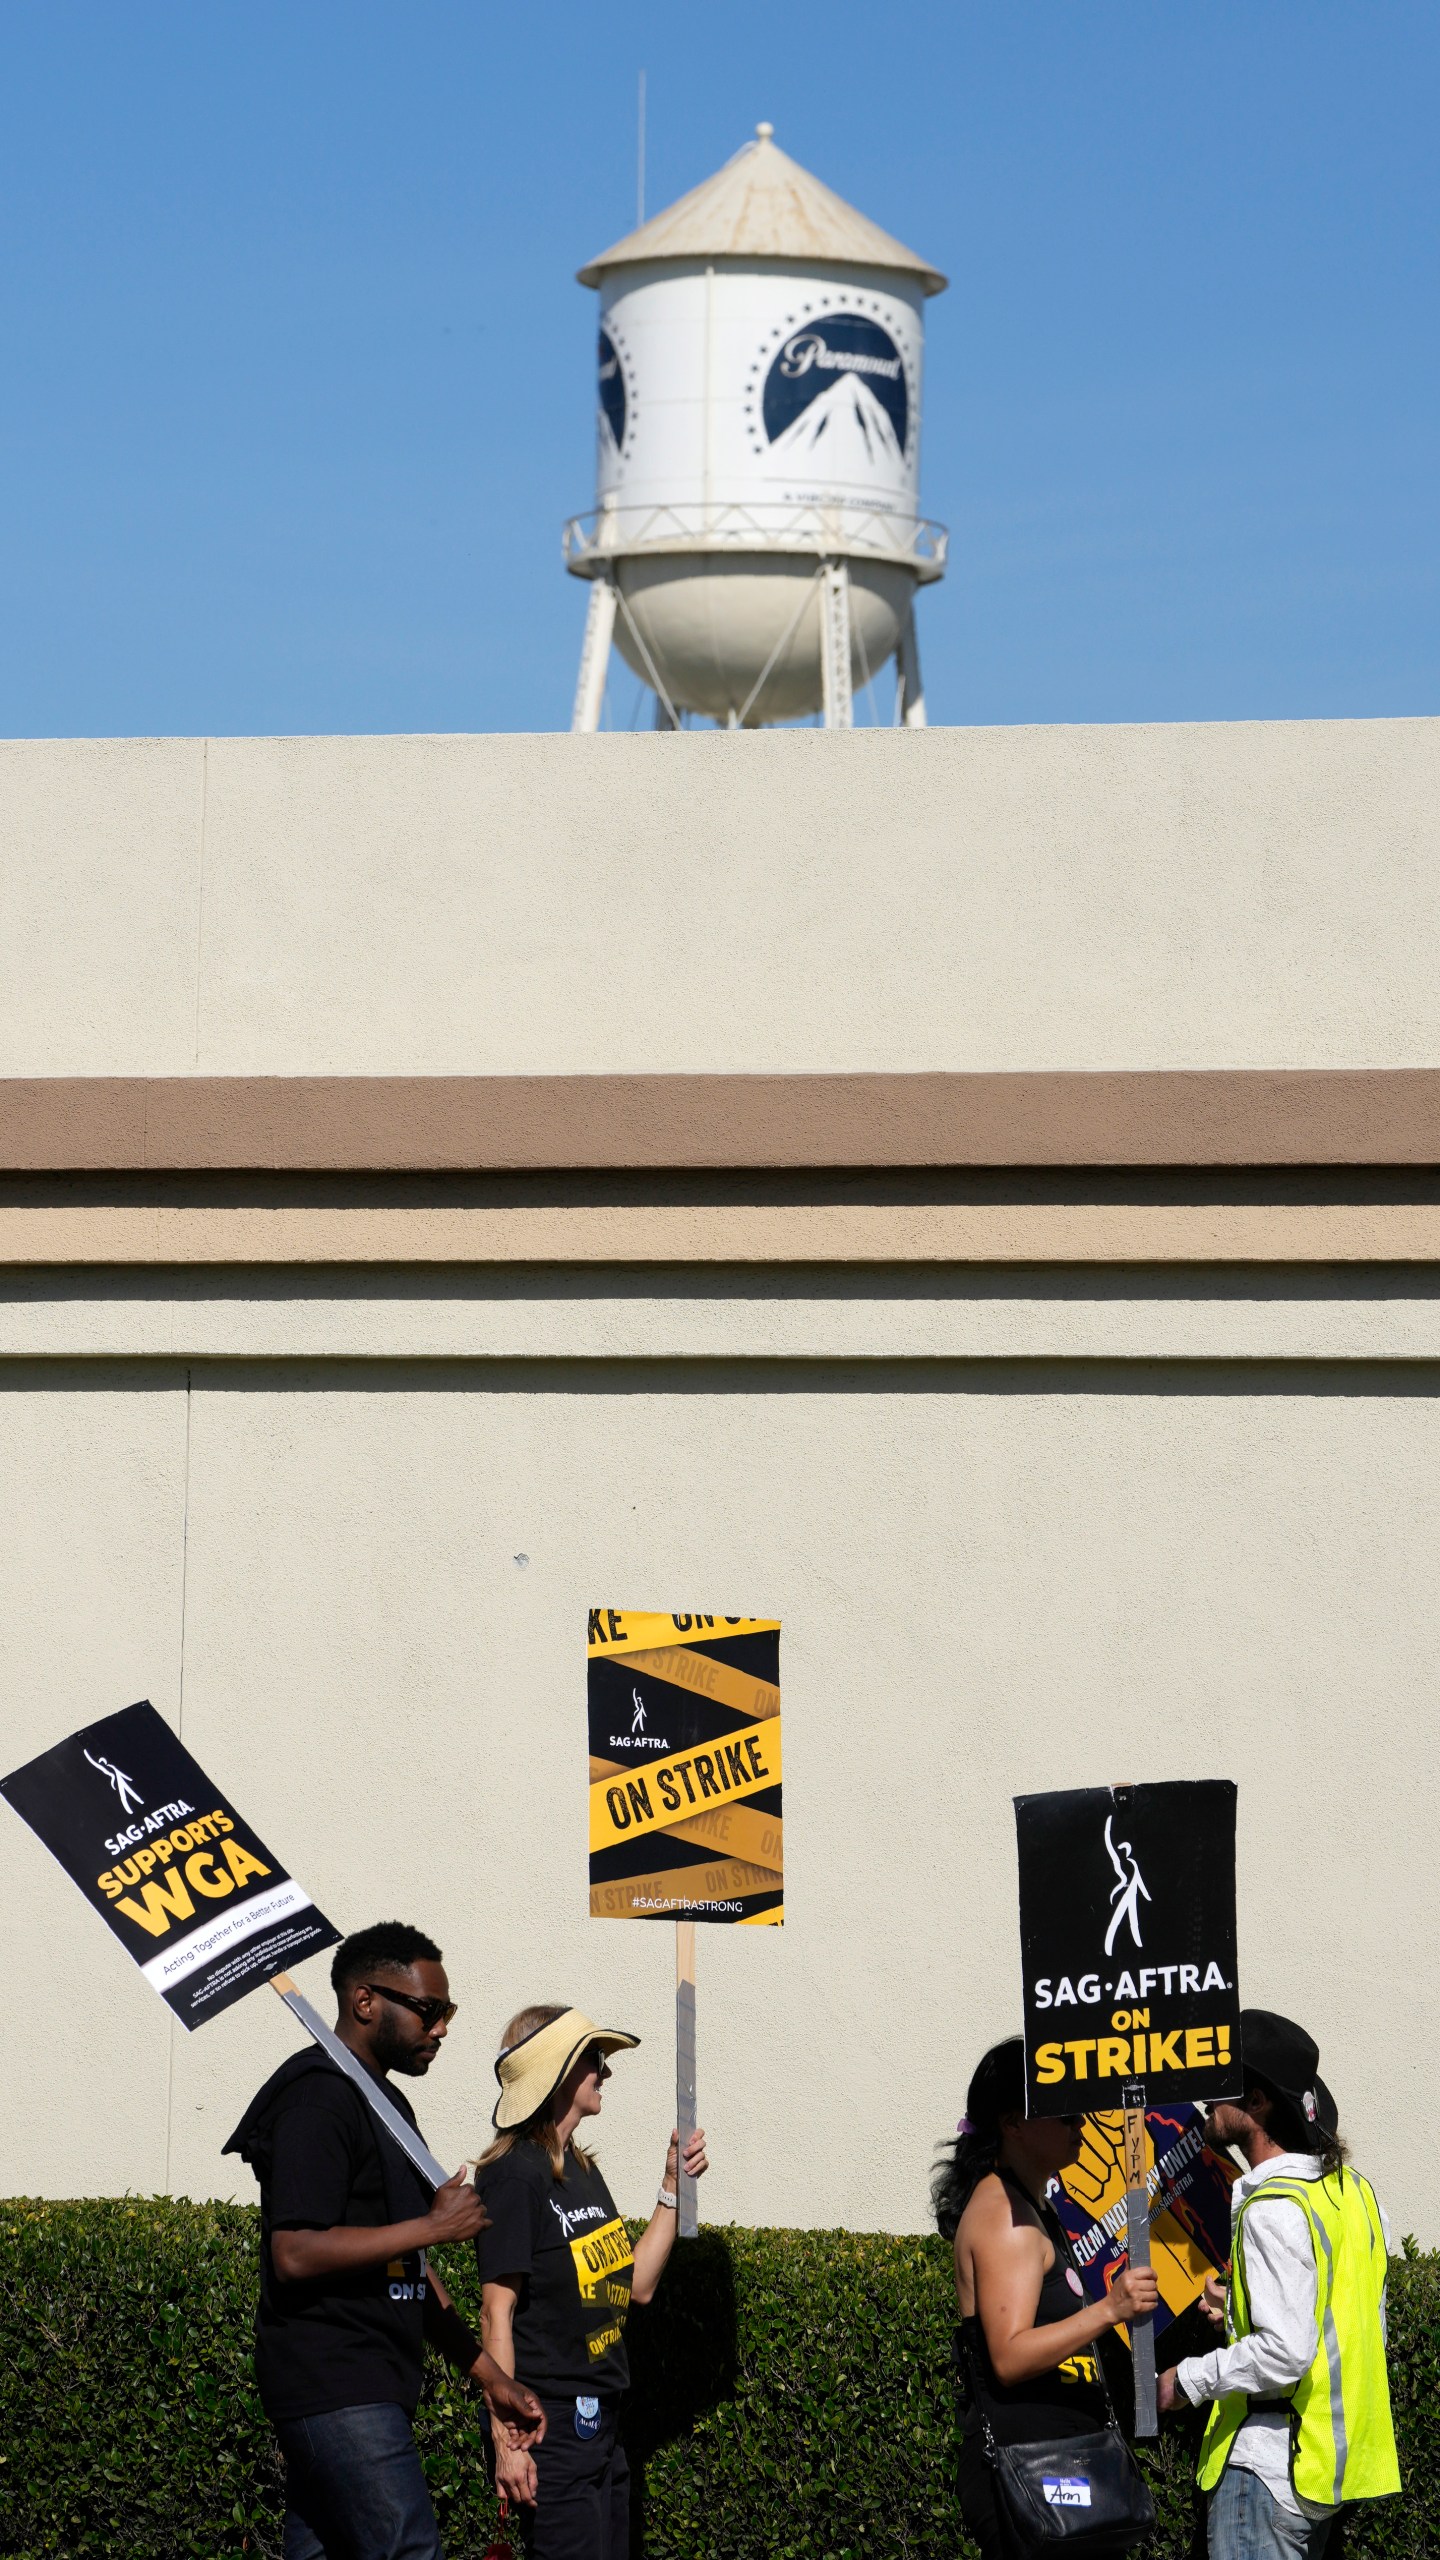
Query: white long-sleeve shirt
column 1280, row 2345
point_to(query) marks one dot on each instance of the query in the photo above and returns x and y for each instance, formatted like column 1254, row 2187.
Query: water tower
column 757, row 543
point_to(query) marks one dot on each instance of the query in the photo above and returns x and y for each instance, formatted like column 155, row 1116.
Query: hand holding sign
column 457, row 2212
column 1134, row 2295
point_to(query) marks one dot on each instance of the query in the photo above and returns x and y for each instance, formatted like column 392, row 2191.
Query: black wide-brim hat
column 1277, row 2052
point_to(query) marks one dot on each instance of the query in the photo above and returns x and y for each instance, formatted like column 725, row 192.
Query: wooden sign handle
column 1137, row 2241
column 688, row 2220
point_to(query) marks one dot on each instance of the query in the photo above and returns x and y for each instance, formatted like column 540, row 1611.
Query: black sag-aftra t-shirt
column 566, row 2243
column 337, row 2341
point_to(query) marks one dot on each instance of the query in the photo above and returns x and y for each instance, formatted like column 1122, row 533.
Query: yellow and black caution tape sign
column 685, row 1767
column 630, row 1630
column 736, row 1765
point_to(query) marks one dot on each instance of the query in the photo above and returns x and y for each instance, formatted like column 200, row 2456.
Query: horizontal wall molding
column 1357, row 1116
column 1103, row 1230
column 661, row 1315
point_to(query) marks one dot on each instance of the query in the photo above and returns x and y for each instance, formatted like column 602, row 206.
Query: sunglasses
column 431, row 2013
column 596, row 2062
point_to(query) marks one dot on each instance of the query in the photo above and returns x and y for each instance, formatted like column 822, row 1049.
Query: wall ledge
column 1354, row 1116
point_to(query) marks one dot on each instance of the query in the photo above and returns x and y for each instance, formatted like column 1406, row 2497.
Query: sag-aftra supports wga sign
column 1127, row 1931
column 204, row 1907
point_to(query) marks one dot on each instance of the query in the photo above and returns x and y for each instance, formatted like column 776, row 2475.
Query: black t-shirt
column 566, row 2242
column 1068, row 2400
column 340, row 2341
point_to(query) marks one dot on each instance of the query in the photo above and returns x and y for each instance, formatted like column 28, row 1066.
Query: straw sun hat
column 531, row 2071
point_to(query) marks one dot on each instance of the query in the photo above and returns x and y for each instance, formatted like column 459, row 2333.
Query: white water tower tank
column 756, row 543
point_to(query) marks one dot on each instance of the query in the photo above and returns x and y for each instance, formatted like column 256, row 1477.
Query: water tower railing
column 862, row 532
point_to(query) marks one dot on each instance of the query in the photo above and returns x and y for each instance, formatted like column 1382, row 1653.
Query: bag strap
column 977, row 2397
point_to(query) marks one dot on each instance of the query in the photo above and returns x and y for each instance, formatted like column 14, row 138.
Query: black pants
column 582, row 2505
column 977, row 2502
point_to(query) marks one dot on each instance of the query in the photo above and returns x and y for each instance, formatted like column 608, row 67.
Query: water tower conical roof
column 762, row 204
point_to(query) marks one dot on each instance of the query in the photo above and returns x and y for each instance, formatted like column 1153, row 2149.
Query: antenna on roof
column 640, row 156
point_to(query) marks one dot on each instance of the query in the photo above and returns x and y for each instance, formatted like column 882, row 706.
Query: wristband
column 666, row 2198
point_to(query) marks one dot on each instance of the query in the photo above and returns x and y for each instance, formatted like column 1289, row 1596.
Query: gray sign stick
column 689, row 2215
column 1137, row 2241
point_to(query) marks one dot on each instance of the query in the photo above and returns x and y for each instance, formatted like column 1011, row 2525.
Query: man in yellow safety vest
column 1299, row 2420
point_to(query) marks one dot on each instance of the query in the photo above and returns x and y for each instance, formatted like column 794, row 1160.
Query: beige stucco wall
column 1251, row 894
column 990, row 1579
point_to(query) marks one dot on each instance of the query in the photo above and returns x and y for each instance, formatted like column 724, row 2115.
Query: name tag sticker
column 1066, row 2493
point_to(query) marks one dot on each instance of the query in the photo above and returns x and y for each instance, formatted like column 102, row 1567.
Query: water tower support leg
column 912, row 691
column 835, row 645
column 594, row 656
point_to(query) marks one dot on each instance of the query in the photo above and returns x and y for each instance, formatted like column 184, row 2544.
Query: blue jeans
column 354, row 2489
column 1246, row 2523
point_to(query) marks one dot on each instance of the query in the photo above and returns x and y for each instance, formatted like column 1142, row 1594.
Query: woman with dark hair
column 558, row 2277
column 1029, row 2367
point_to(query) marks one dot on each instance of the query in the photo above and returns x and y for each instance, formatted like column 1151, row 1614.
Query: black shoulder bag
column 1078, row 2493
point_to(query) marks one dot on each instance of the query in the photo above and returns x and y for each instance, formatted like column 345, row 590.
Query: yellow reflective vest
column 1342, row 2439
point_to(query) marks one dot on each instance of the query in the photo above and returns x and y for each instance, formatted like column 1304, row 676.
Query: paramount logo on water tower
column 614, row 399
column 840, row 377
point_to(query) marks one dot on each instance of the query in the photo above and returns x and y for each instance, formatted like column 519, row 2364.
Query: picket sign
column 128, row 1783
column 685, row 1803
column 1153, row 1865
column 688, row 2211
column 418, row 2153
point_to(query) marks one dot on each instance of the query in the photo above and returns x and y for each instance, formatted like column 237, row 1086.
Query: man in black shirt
column 348, row 2299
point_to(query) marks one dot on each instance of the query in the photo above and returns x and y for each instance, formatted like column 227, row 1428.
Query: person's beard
column 390, row 2049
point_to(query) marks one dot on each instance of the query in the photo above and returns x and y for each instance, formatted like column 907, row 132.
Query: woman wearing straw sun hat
column 558, row 2277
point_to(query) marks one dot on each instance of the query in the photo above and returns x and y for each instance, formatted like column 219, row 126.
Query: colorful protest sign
column 1127, row 1936
column 189, row 1889
column 685, row 1771
column 1189, row 2195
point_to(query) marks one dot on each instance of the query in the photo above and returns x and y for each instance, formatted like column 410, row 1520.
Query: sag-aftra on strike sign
column 685, row 1768
column 205, row 1909
column 1127, row 1935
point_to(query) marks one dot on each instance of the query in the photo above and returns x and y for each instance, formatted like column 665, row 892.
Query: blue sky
column 296, row 382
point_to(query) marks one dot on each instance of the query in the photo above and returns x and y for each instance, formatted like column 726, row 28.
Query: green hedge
column 792, row 2399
